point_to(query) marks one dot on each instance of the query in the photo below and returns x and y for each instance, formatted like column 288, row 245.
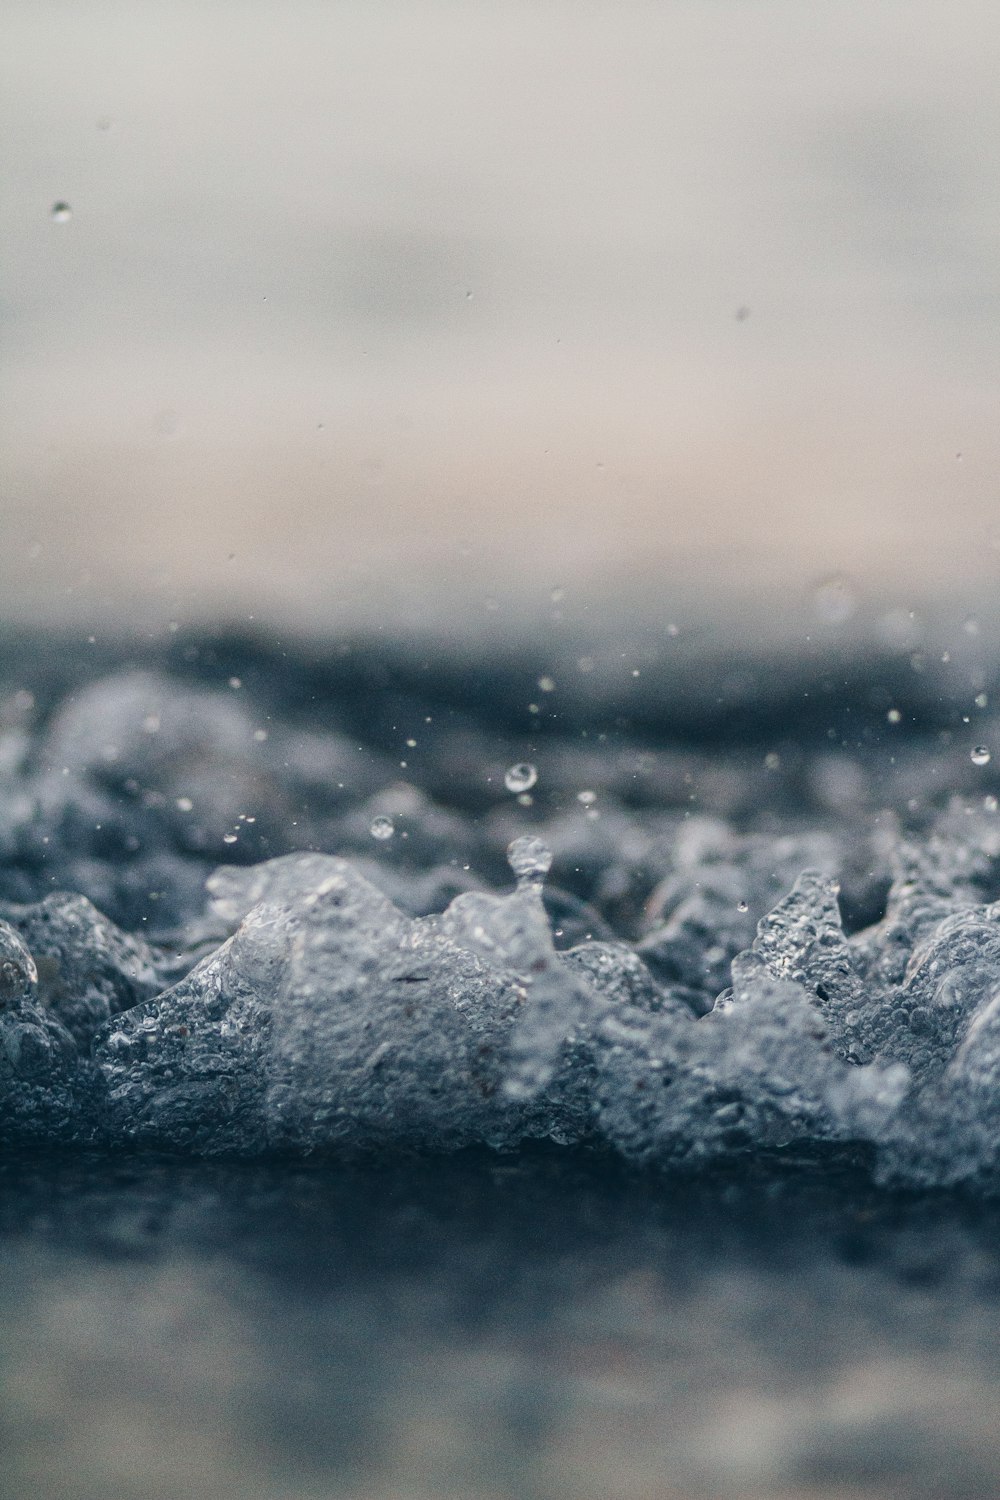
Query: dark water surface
column 482, row 1327
column 546, row 1323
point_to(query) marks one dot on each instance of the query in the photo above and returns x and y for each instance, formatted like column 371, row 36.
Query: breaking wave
column 236, row 925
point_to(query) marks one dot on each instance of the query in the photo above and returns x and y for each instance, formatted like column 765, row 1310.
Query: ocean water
column 515, row 1013
column 259, row 902
column 542, row 1073
column 493, row 1327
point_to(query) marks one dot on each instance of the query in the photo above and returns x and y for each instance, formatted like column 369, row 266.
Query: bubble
column 382, row 828
column 981, row 700
column 529, row 858
column 971, row 626
column 229, row 838
column 835, row 600
column 235, row 683
column 894, row 716
column 980, row 755
column 742, row 906
column 772, row 761
column 520, row 778
column 546, row 684
column 587, row 798
column 61, row 213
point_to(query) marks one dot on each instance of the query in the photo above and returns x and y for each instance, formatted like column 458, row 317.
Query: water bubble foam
column 835, row 600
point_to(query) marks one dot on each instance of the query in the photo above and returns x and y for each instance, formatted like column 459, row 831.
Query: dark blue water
column 736, row 1293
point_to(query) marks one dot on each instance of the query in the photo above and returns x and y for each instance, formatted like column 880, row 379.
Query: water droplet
column 742, row 906
column 772, row 761
column 981, row 700
column 260, row 735
column 587, row 798
column 411, row 744
column 184, row 804
column 980, row 756
column 382, row 828
column 546, row 684
column 229, row 838
column 835, row 600
column 894, row 716
column 529, row 858
column 61, row 213
column 990, row 804
column 520, row 778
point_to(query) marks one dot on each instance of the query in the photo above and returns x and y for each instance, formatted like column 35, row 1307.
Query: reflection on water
column 383, row 313
column 484, row 1328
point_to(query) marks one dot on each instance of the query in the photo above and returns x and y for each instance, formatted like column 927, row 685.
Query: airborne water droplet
column 61, row 212
column 382, row 827
column 980, row 756
column 742, row 906
column 520, row 778
column 835, row 600
column 529, row 858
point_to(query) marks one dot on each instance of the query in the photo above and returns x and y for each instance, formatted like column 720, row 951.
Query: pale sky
column 381, row 314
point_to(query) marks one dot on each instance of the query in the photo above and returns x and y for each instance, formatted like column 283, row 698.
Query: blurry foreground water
column 490, row 1330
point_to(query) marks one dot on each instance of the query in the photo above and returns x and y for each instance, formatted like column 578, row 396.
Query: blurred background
column 421, row 317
